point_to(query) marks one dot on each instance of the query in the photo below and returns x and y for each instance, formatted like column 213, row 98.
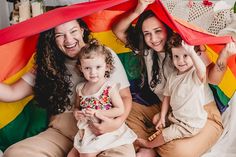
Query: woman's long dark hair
column 137, row 43
column 53, row 80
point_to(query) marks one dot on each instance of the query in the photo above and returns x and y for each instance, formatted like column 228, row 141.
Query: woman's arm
column 215, row 72
column 16, row 91
column 121, row 26
column 127, row 100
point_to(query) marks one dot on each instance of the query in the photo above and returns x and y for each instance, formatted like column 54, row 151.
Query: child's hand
column 79, row 115
column 188, row 48
column 142, row 5
column 90, row 112
column 161, row 123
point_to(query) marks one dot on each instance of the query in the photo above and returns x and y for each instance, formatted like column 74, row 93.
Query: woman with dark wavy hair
column 53, row 82
column 148, row 39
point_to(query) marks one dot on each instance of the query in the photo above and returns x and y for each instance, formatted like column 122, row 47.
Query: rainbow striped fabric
column 23, row 119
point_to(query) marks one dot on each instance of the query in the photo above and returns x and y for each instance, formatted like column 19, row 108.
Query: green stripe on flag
column 131, row 64
column 220, row 94
column 31, row 121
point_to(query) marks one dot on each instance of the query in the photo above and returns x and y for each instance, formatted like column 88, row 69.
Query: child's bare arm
column 198, row 63
column 164, row 110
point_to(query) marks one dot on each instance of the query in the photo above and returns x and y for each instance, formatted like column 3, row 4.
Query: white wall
column 62, row 2
column 230, row 2
column 4, row 14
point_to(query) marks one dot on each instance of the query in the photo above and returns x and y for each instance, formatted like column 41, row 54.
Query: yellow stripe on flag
column 110, row 40
column 9, row 111
column 226, row 85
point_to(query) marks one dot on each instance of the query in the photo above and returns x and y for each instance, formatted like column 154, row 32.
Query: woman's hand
column 106, row 125
column 142, row 5
column 229, row 50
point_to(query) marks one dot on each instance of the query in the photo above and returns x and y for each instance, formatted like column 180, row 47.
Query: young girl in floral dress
column 96, row 96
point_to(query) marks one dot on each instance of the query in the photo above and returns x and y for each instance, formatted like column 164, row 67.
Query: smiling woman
column 155, row 34
column 53, row 81
column 149, row 41
column 69, row 38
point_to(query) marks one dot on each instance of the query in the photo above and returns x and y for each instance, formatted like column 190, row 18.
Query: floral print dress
column 90, row 143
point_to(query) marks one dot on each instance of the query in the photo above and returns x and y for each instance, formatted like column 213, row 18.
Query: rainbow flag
column 23, row 119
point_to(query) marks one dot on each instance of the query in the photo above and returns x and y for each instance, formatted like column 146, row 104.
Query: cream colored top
column 187, row 98
column 168, row 70
column 117, row 77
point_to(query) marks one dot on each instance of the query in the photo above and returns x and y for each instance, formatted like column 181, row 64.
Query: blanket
column 225, row 146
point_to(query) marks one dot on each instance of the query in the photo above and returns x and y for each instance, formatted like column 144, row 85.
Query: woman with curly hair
column 53, row 82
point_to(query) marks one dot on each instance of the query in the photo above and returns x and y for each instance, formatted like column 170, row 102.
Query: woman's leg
column 199, row 144
column 121, row 151
column 49, row 143
column 140, row 121
column 55, row 141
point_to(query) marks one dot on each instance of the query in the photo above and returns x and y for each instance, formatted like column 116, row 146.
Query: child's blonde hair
column 93, row 49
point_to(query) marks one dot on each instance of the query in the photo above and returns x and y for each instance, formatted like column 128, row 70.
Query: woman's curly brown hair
column 53, row 80
column 93, row 49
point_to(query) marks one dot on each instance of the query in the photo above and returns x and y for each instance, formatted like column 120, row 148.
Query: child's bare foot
column 142, row 143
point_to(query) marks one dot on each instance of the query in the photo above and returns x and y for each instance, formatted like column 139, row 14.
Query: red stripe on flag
column 58, row 16
column 53, row 18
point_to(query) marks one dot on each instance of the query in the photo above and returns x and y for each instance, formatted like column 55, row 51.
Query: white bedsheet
column 225, row 146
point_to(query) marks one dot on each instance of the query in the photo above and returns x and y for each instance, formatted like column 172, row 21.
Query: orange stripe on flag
column 15, row 55
column 101, row 21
